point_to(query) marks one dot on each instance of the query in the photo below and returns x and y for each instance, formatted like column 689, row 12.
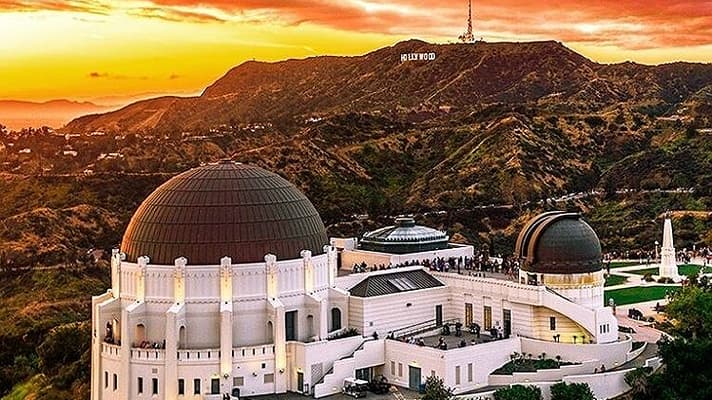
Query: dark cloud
column 106, row 75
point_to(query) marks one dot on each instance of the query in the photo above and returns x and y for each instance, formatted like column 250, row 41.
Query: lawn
column 613, row 280
column 621, row 264
column 684, row 269
column 638, row 294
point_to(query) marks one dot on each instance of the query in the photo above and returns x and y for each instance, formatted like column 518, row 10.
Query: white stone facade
column 263, row 328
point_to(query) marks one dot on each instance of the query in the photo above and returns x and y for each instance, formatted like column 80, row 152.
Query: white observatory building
column 225, row 281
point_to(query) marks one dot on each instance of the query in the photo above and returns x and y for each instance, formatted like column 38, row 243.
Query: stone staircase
column 371, row 353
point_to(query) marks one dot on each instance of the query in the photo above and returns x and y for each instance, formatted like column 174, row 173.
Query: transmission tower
column 467, row 36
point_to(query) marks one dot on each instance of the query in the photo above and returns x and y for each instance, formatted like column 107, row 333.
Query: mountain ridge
column 462, row 75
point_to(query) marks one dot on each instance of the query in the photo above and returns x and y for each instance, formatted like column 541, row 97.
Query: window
column 196, row 386
column 400, row 369
column 238, row 381
column 468, row 314
column 269, row 378
column 181, row 386
column 469, row 372
column 116, row 382
column 290, row 325
column 487, row 311
column 106, row 379
column 335, row 319
column 604, row 328
column 457, row 375
column 552, row 323
column 393, row 368
column 154, row 386
column 140, row 385
column 432, row 372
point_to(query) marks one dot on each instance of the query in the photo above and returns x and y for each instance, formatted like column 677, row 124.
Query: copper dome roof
column 224, row 209
column 559, row 243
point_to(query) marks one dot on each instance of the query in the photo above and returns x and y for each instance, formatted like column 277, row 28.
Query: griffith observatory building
column 226, row 281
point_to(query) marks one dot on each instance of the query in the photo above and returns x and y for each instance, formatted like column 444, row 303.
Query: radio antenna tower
column 468, row 37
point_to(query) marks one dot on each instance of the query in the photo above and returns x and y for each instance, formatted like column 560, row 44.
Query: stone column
column 116, row 273
column 308, row 271
column 323, row 319
column 272, row 278
column 226, row 323
column 332, row 264
column 280, row 349
column 141, row 278
column 179, row 280
column 125, row 353
column 171, row 353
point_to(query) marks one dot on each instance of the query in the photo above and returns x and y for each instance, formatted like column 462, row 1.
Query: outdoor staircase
column 369, row 354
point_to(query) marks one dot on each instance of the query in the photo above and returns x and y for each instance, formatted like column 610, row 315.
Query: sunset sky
column 110, row 50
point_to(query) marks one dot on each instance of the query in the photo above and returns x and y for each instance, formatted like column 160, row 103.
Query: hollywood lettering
column 417, row 57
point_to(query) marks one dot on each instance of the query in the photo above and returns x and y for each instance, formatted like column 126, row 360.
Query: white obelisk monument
column 668, row 264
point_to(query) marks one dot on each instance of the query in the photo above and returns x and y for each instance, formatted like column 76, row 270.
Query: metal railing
column 421, row 327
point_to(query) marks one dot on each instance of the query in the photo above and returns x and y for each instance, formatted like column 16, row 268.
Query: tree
column 637, row 379
column 691, row 312
column 518, row 392
column 572, row 391
column 435, row 389
column 687, row 372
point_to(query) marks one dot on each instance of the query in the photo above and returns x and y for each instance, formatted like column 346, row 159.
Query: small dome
column 404, row 237
column 559, row 243
column 224, row 209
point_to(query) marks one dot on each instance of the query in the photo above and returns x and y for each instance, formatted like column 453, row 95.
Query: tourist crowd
column 477, row 265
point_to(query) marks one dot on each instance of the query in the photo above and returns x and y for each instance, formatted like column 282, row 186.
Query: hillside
column 463, row 77
column 483, row 123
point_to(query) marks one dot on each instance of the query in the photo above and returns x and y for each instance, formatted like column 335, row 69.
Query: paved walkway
column 636, row 280
column 643, row 331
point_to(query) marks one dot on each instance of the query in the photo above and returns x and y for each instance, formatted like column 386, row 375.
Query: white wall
column 609, row 354
column 483, row 358
column 386, row 313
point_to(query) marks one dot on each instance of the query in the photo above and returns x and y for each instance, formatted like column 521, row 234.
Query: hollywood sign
column 417, row 57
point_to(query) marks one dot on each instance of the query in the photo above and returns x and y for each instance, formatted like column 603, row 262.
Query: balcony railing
column 148, row 354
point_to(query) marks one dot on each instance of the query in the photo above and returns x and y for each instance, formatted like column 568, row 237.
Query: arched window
column 140, row 335
column 270, row 332
column 310, row 326
column 182, row 338
column 335, row 319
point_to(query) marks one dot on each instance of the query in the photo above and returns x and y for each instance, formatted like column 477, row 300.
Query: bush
column 573, row 391
column 435, row 389
column 518, row 392
column 648, row 277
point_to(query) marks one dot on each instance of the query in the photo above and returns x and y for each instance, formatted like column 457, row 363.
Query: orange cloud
column 631, row 24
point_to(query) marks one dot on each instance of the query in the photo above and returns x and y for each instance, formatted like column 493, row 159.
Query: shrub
column 518, row 392
column 573, row 391
column 435, row 389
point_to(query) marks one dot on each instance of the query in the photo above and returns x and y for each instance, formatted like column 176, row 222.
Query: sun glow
column 91, row 49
